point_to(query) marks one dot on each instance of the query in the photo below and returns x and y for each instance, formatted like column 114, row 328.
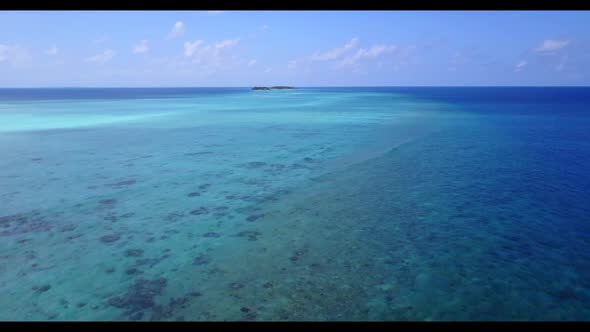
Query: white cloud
column 377, row 50
column 212, row 56
column 103, row 57
column 15, row 56
column 335, row 53
column 226, row 43
column 550, row 45
column 214, row 12
column 520, row 66
column 191, row 48
column 199, row 49
column 264, row 27
column 373, row 52
column 268, row 70
column 177, row 30
column 251, row 63
column 141, row 47
column 350, row 54
column 53, row 50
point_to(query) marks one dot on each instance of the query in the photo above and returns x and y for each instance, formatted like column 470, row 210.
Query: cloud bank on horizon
column 245, row 48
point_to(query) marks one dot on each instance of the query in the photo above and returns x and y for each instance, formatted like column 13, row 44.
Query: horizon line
column 309, row 86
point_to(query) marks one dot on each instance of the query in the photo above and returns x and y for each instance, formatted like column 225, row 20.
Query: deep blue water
column 313, row 204
column 14, row 94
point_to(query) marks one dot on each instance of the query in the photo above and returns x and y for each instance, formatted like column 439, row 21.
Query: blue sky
column 302, row 48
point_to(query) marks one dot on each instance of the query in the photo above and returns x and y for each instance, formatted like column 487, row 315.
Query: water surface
column 307, row 204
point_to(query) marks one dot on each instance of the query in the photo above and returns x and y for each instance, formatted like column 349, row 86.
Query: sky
column 300, row 48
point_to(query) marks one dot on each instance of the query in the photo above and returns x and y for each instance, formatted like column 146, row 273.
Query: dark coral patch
column 41, row 289
column 251, row 235
column 254, row 164
column 133, row 252
column 298, row 166
column 20, row 223
column 111, row 217
column 254, row 217
column 201, row 260
column 211, row 234
column 108, row 201
column 140, row 296
column 110, row 238
column 250, row 316
column 125, row 183
column 174, row 216
column 198, row 153
column 315, row 266
column 236, row 285
column 204, row 186
column 277, row 167
column 151, row 262
column 75, row 236
column 121, row 183
column 67, row 228
column 168, row 310
column 194, row 194
column 298, row 254
column 199, row 211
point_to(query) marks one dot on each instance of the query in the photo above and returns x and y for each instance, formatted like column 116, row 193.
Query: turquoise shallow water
column 311, row 204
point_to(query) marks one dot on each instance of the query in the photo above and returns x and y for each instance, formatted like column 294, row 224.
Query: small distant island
column 273, row 88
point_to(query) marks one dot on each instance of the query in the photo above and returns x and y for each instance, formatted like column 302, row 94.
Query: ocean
column 313, row 204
